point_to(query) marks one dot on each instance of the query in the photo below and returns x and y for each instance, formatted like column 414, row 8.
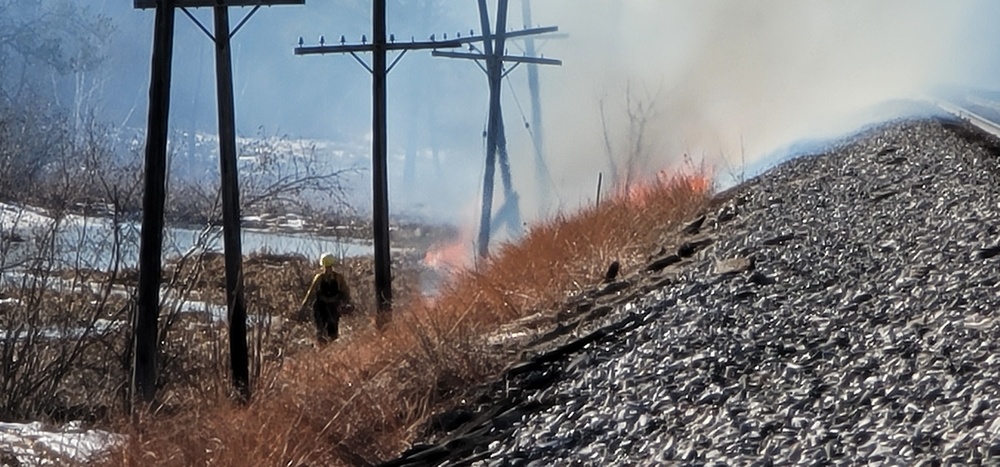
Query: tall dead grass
column 365, row 398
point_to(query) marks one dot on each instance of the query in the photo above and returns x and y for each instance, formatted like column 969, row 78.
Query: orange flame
column 458, row 254
column 640, row 193
column 451, row 256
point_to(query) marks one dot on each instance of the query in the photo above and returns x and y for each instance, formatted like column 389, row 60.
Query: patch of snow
column 219, row 313
column 42, row 445
column 16, row 217
column 293, row 224
column 100, row 326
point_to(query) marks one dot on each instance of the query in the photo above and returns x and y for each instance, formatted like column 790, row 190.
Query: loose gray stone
column 865, row 333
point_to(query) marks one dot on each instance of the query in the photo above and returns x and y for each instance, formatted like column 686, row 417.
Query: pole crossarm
column 354, row 48
column 148, row 4
column 505, row 58
column 444, row 44
column 512, row 34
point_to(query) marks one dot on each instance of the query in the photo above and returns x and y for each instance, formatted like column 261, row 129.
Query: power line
column 544, row 172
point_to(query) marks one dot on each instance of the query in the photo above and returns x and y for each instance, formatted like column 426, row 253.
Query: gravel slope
column 844, row 312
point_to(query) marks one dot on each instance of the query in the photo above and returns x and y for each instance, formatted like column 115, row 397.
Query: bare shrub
column 66, row 317
column 277, row 174
column 630, row 149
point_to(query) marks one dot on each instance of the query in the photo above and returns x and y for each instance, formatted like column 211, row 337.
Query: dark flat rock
column 660, row 263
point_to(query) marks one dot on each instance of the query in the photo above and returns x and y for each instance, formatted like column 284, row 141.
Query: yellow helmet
column 327, row 260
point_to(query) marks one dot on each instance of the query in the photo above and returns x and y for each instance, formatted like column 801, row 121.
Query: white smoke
column 727, row 79
column 733, row 78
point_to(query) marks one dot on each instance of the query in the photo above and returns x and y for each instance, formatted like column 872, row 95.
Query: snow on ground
column 24, row 220
column 100, row 326
column 37, row 444
column 16, row 217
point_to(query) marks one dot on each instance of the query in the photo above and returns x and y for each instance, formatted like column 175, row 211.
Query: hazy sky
column 720, row 77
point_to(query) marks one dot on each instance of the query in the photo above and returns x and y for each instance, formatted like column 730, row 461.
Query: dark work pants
column 327, row 316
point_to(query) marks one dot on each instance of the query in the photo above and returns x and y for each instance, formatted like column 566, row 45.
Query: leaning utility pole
column 151, row 243
column 495, row 56
column 380, row 186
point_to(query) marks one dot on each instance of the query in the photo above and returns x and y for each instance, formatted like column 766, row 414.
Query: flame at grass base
column 639, row 194
column 459, row 255
column 453, row 256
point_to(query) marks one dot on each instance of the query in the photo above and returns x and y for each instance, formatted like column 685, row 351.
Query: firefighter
column 332, row 298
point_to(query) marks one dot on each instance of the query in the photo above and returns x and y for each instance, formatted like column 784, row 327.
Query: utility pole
column 144, row 324
column 496, row 139
column 379, row 70
column 380, row 185
column 152, row 223
column 232, row 245
column 542, row 176
column 495, row 56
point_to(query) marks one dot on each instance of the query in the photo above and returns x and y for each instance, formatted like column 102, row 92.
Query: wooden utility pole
column 145, row 335
column 542, row 176
column 379, row 69
column 233, row 248
column 380, row 183
column 144, row 330
column 495, row 56
column 496, row 139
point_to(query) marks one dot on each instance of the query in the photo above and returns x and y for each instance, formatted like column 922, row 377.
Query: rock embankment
column 837, row 308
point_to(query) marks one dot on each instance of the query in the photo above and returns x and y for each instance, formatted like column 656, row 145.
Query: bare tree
column 277, row 174
column 50, row 51
column 62, row 325
column 43, row 41
column 630, row 156
column 32, row 135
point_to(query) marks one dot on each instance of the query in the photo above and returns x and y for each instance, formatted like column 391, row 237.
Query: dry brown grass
column 365, row 398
